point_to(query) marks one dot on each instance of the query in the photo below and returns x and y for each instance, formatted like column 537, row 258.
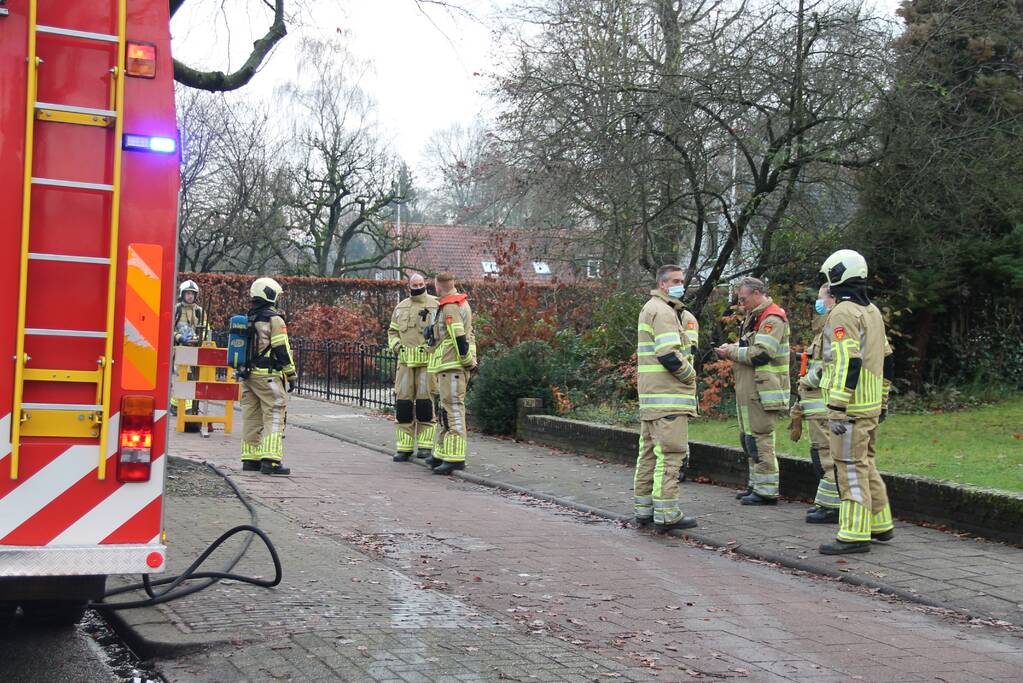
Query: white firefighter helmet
column 266, row 289
column 843, row 265
column 187, row 286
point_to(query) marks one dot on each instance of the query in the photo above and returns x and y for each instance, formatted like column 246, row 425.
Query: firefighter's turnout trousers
column 450, row 440
column 413, row 409
column 864, row 508
column 811, row 402
column 824, row 466
column 667, row 398
column 761, row 374
column 264, row 406
column 855, row 383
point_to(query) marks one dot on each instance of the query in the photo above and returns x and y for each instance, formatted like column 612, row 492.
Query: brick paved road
column 395, row 574
column 983, row 577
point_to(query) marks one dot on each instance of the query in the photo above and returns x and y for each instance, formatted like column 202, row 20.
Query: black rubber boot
column 273, row 467
column 424, row 453
column 402, row 456
column 448, row 467
column 822, row 516
column 643, row 522
column 757, row 499
column 250, row 465
column 432, row 462
column 742, row 494
column 882, row 536
column 845, row 548
column 684, row 523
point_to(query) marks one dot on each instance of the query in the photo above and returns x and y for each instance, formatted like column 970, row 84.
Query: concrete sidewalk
column 982, row 579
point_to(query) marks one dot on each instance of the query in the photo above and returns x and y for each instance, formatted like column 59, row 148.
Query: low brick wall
column 991, row 514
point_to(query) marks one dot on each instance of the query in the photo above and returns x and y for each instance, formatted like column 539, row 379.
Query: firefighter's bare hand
column 722, row 351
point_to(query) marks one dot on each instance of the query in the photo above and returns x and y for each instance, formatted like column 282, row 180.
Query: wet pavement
column 981, row 578
column 393, row 574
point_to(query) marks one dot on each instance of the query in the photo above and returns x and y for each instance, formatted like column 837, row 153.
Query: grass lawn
column 982, row 446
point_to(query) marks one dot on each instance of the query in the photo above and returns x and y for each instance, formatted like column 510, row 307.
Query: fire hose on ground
column 170, row 588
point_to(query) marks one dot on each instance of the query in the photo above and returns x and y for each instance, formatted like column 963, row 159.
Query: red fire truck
column 88, row 203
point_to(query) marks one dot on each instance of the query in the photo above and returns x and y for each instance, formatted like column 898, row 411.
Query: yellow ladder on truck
column 63, row 419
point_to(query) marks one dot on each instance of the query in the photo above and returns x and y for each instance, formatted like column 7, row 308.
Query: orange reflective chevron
column 142, row 317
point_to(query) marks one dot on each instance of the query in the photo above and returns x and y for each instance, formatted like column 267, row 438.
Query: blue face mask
column 820, row 307
column 676, row 291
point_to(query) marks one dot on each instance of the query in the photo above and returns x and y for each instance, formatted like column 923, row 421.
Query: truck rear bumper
column 82, row 560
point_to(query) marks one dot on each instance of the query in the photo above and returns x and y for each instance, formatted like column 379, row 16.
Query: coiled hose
column 174, row 590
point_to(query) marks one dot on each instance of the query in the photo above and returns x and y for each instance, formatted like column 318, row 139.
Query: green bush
column 522, row 371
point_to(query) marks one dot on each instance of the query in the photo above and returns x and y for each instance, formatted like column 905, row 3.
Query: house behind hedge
column 477, row 253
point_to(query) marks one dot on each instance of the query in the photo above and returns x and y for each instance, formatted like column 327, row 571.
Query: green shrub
column 522, row 371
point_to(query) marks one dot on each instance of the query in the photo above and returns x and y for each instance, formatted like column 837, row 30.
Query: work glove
column 796, row 423
column 883, row 416
column 292, row 382
column 838, row 427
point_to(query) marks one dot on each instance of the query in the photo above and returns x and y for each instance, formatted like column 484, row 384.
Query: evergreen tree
column 942, row 217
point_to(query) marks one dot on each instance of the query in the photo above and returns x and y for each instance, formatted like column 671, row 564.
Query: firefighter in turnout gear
column 413, row 405
column 857, row 375
column 667, row 399
column 189, row 319
column 190, row 329
column 761, row 373
column 452, row 360
column 811, row 407
column 271, row 376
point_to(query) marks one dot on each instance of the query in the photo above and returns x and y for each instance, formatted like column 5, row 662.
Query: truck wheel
column 53, row 612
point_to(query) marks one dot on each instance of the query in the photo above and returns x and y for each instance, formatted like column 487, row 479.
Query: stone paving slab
column 974, row 576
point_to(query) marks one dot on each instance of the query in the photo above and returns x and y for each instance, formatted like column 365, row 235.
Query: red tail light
column 140, row 60
column 136, row 439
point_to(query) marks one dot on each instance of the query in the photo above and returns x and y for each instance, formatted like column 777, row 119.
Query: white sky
column 429, row 70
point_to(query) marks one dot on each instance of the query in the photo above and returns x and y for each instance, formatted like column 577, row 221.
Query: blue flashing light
column 150, row 143
column 163, row 145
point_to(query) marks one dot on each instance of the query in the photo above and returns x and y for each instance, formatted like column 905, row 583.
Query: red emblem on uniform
column 839, row 333
column 691, row 325
column 767, row 328
column 448, row 319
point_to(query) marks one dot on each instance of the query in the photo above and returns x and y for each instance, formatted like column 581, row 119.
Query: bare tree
column 687, row 129
column 233, row 189
column 344, row 180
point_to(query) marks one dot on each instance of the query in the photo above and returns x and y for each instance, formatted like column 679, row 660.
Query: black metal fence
column 345, row 371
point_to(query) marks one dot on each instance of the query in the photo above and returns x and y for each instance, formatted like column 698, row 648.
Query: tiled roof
column 462, row 249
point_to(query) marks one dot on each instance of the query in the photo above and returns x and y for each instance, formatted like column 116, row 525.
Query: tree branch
column 218, row 81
